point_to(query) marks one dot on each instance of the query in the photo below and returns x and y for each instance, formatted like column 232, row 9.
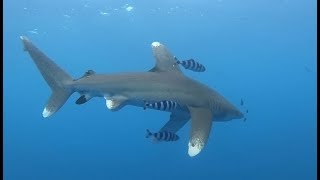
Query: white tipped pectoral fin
column 201, row 122
column 115, row 103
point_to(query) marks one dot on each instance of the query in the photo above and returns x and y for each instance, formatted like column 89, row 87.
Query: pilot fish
column 162, row 105
column 162, row 136
column 192, row 65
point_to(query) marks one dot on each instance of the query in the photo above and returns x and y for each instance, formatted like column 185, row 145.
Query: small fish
column 192, row 65
column 162, row 136
column 245, row 109
column 245, row 118
column 162, row 105
column 86, row 74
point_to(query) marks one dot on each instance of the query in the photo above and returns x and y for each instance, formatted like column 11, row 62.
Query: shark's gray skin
column 164, row 81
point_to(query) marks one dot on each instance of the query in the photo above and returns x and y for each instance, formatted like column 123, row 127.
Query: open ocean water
column 261, row 51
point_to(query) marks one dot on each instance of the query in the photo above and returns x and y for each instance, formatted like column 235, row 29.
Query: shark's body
column 164, row 82
column 151, row 86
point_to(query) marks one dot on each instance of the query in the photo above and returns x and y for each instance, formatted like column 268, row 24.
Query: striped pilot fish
column 162, row 136
column 192, row 65
column 162, row 105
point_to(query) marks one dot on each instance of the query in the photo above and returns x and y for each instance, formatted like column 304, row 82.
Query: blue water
column 262, row 51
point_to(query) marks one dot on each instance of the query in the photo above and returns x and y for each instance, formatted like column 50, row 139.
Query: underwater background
column 261, row 51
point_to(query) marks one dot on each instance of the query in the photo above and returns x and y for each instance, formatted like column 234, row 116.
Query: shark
column 164, row 82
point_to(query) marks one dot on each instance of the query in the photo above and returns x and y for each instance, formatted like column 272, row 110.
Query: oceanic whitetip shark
column 164, row 82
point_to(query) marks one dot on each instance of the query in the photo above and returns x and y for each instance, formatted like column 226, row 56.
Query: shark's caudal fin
column 56, row 78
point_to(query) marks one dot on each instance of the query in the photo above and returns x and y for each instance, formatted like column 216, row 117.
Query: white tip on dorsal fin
column 155, row 44
column 165, row 61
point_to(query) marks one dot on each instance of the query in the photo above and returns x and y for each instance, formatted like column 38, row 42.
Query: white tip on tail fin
column 56, row 101
column 55, row 77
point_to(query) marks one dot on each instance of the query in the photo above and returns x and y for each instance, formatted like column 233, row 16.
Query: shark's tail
column 58, row 80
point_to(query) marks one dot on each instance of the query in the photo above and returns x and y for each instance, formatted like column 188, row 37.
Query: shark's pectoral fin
column 177, row 120
column 115, row 103
column 83, row 99
column 165, row 61
column 201, row 121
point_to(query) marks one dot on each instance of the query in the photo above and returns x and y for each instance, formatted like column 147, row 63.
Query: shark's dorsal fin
column 201, row 121
column 165, row 61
